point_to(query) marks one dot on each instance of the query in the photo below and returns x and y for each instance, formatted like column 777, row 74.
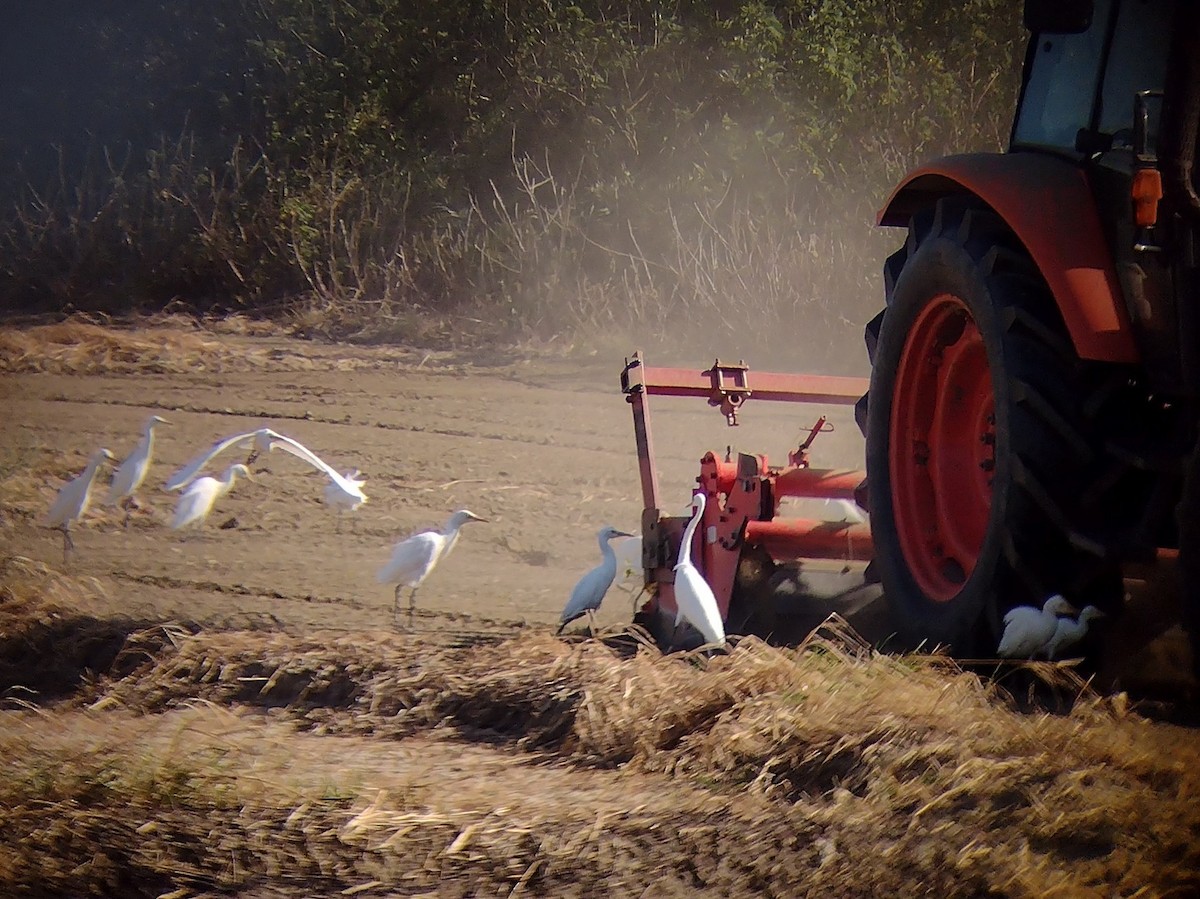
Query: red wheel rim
column 942, row 447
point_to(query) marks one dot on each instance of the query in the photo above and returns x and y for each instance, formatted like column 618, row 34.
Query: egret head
column 1058, row 605
column 462, row 516
column 102, row 454
column 155, row 420
column 1090, row 613
column 608, row 532
column 238, row 469
column 699, row 500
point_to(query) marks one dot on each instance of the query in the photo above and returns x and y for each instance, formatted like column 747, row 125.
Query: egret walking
column 694, row 599
column 1070, row 631
column 73, row 500
column 132, row 472
column 414, row 558
column 589, row 591
column 1028, row 630
column 198, row 500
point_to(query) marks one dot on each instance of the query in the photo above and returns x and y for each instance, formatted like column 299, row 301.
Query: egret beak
column 622, row 534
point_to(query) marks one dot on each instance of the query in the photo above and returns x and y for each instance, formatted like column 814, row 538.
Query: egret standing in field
column 694, row 599
column 198, row 500
column 1070, row 631
column 130, row 474
column 589, row 592
column 414, row 558
column 1028, row 630
column 73, row 500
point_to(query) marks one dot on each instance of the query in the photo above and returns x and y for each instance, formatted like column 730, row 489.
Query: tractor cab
column 1111, row 85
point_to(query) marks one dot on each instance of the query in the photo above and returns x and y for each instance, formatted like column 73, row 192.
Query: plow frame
column 743, row 494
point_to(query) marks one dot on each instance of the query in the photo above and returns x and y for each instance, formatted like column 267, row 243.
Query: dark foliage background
column 480, row 168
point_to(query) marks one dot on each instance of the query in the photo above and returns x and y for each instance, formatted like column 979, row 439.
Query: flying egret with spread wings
column 349, row 487
column 130, row 474
column 259, row 441
column 1028, row 630
column 694, row 599
column 414, row 558
column 73, row 500
column 589, row 591
column 200, row 497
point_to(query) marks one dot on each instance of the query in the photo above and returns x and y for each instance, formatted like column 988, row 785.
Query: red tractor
column 1031, row 417
column 1036, row 369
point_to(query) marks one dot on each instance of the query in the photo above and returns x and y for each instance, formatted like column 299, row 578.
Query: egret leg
column 68, row 544
column 396, row 602
column 412, row 603
column 337, row 528
column 125, row 504
column 591, row 617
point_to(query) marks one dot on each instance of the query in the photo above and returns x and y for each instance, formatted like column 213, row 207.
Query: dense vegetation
column 387, row 168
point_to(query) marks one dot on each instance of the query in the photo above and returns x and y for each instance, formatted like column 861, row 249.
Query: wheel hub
column 942, row 447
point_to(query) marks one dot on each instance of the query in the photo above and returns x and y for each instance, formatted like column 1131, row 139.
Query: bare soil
column 542, row 447
column 235, row 711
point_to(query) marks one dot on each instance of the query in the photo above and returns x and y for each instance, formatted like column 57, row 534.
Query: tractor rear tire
column 1189, row 555
column 976, row 440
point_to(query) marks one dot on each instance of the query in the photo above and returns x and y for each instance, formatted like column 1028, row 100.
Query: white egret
column 264, row 440
column 1070, row 631
column 343, row 500
column 260, row 441
column 129, row 474
column 1027, row 630
column 73, row 500
column 589, row 591
column 694, row 599
column 414, row 558
column 198, row 500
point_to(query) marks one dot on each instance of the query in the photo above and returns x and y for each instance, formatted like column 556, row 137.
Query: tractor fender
column 1047, row 203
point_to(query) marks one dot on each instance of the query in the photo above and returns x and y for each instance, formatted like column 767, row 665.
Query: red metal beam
column 823, row 483
column 774, row 386
column 799, row 538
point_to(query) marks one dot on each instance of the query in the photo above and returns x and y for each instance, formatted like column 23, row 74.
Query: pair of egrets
column 1030, row 632
column 694, row 599
column 73, row 499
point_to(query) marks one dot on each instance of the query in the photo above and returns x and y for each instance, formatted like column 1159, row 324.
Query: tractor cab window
column 1137, row 61
column 1079, row 88
column 1064, row 73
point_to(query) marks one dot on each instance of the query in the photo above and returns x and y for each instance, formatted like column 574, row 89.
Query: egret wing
column 698, row 605
column 188, row 473
column 588, row 593
column 412, row 559
column 195, row 503
column 64, row 503
column 300, row 451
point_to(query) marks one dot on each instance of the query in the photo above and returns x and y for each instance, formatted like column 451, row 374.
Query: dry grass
column 81, row 347
column 404, row 764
